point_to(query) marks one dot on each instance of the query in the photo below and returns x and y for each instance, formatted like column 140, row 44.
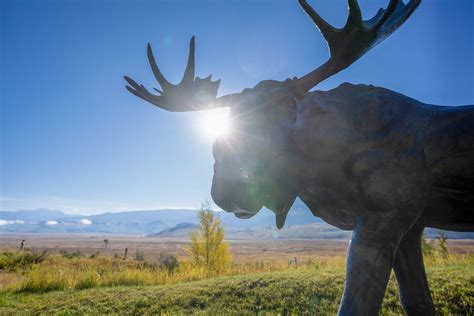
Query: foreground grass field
column 314, row 288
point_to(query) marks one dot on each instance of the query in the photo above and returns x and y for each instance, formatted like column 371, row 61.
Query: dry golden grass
column 9, row 279
column 58, row 272
column 61, row 272
column 117, row 286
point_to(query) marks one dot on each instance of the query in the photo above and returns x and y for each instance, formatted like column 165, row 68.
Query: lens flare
column 214, row 123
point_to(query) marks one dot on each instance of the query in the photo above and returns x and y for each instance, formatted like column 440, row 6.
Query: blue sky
column 73, row 139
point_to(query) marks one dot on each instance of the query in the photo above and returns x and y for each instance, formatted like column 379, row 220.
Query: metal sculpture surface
column 362, row 158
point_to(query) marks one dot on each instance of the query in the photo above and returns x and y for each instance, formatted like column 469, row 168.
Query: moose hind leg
column 410, row 272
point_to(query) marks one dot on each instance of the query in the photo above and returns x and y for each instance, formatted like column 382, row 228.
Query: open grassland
column 242, row 250
column 312, row 288
column 77, row 275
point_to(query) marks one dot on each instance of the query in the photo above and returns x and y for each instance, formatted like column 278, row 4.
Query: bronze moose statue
column 362, row 158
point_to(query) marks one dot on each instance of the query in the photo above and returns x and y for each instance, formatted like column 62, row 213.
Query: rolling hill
column 301, row 224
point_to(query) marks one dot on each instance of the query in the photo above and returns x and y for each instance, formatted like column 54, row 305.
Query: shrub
column 442, row 245
column 21, row 259
column 426, row 246
column 94, row 255
column 167, row 262
column 139, row 256
column 70, row 255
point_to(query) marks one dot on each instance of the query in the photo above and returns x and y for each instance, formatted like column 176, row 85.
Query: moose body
column 362, row 158
column 362, row 144
column 386, row 166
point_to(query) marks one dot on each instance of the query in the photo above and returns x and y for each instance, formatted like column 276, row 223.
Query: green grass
column 309, row 290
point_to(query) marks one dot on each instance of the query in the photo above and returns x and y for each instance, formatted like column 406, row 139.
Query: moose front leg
column 411, row 277
column 371, row 255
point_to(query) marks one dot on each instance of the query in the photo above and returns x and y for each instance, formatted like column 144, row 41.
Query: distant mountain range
column 300, row 224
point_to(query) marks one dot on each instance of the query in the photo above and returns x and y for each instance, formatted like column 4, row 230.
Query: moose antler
column 346, row 45
column 357, row 37
column 191, row 94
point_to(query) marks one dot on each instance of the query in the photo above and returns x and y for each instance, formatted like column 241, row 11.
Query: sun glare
column 214, row 123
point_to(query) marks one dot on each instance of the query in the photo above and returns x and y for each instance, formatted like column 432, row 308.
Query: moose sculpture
column 360, row 157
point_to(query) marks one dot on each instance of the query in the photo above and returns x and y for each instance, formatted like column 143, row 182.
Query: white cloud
column 5, row 222
column 51, row 222
column 85, row 221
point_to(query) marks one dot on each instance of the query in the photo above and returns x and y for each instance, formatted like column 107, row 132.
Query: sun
column 214, row 123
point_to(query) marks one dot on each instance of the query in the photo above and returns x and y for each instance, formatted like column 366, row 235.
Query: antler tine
column 156, row 71
column 191, row 94
column 324, row 27
column 401, row 13
column 355, row 15
column 138, row 90
column 388, row 12
column 189, row 73
column 356, row 38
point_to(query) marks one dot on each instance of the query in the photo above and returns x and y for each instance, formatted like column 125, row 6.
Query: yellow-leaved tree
column 208, row 248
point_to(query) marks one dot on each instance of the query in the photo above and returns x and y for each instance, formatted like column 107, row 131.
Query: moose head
column 258, row 163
